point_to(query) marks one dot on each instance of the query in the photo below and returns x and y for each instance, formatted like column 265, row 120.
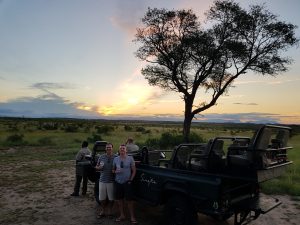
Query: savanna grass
column 47, row 140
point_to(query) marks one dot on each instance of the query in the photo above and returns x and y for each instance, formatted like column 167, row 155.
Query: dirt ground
column 46, row 200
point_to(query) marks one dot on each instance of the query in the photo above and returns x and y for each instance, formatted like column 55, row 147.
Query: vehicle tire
column 223, row 217
column 179, row 211
column 91, row 173
column 96, row 191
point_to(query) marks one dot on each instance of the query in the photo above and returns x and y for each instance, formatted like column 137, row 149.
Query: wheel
column 222, row 217
column 179, row 211
column 91, row 173
column 96, row 191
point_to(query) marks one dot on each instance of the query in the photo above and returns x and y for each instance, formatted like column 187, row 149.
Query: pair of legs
column 106, row 197
column 78, row 182
column 130, row 204
column 106, row 208
column 124, row 194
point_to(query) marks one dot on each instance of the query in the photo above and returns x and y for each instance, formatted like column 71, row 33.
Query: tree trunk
column 188, row 117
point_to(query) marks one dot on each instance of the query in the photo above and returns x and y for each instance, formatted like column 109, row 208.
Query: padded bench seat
column 239, row 160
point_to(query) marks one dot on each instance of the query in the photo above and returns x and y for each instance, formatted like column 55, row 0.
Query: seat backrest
column 283, row 136
column 265, row 139
column 216, row 161
column 217, row 148
column 153, row 158
column 181, row 160
column 144, row 155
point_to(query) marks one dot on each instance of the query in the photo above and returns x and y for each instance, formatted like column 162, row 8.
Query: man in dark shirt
column 81, row 158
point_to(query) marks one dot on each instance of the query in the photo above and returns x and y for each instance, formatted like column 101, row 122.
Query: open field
column 62, row 138
column 38, row 170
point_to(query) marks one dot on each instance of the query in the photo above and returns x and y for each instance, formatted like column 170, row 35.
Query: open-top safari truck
column 219, row 179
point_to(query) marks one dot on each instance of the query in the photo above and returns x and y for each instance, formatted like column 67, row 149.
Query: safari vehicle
column 220, row 179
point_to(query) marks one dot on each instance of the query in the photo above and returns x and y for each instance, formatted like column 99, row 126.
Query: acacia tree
column 184, row 57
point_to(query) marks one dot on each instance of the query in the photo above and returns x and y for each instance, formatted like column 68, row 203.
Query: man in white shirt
column 130, row 146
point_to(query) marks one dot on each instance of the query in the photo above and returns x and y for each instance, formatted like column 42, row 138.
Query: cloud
column 199, row 7
column 52, row 86
column 132, row 95
column 239, row 103
column 276, row 82
column 42, row 106
column 240, row 118
column 127, row 15
column 48, row 104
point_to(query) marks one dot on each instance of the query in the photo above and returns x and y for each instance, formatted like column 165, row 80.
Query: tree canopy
column 185, row 57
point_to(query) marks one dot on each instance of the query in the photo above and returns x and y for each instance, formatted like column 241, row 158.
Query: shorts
column 106, row 190
column 124, row 191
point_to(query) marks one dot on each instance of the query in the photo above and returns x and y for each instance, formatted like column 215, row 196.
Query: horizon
column 152, row 120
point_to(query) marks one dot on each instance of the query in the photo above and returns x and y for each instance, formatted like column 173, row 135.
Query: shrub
column 95, row 137
column 169, row 140
column 71, row 128
column 76, row 140
column 15, row 139
column 46, row 141
column 150, row 142
column 128, row 128
column 50, row 126
column 140, row 129
column 196, row 138
column 105, row 129
column 87, row 129
column 13, row 128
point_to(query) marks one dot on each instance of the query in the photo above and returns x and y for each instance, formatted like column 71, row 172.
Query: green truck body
column 219, row 179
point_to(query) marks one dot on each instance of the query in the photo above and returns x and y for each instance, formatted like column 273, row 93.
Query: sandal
column 100, row 215
column 133, row 222
column 119, row 219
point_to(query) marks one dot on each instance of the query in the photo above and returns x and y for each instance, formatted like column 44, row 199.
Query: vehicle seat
column 181, row 160
column 238, row 155
column 218, row 148
column 216, row 157
column 153, row 158
column 144, row 155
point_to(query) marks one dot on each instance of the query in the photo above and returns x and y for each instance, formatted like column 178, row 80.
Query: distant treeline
column 203, row 125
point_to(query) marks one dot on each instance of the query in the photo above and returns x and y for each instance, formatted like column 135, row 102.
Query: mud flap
column 251, row 210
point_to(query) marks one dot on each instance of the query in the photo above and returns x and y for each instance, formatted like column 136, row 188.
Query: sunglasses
column 122, row 164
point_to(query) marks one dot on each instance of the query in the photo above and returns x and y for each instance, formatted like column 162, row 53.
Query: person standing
column 130, row 146
column 124, row 169
column 106, row 181
column 81, row 158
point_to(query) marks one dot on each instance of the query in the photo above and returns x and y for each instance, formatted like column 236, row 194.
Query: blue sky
column 75, row 58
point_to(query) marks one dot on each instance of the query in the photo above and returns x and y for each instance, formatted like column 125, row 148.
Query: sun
column 84, row 107
column 133, row 100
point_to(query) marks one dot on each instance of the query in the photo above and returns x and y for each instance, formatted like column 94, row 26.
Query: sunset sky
column 75, row 58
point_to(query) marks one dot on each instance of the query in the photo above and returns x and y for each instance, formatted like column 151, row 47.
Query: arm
column 133, row 170
column 98, row 163
column 114, row 166
column 79, row 156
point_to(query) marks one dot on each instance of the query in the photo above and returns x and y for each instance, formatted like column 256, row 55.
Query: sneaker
column 74, row 194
